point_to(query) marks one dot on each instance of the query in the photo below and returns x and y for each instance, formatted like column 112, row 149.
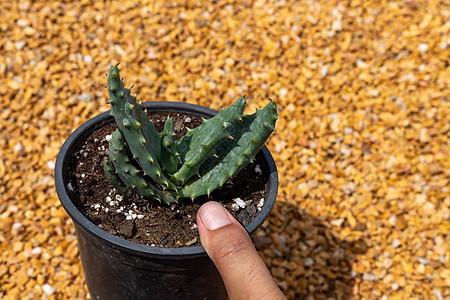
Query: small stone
column 48, row 289
column 429, row 208
column 373, row 93
column 244, row 218
column 276, row 252
column 251, row 209
column 423, row 260
column 261, row 242
column 15, row 228
column 396, row 243
column 423, row 47
column 291, row 108
column 283, row 93
column 126, row 228
column 278, row 272
column 312, row 184
column 22, row 23
column 229, row 184
column 87, row 59
column 387, row 262
column 360, row 227
column 20, row 44
column 85, row 97
column 348, row 130
column 303, row 141
column 119, row 50
column 36, row 251
column 423, row 136
column 324, row 70
column 370, row 277
column 234, row 207
column 420, row 269
column 51, row 164
column 191, row 242
column 393, row 220
column 337, row 222
column 309, row 262
column 29, row 31
column 337, row 25
column 18, row 147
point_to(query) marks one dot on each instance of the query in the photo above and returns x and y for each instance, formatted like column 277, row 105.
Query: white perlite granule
column 234, row 207
column 239, row 202
column 260, row 204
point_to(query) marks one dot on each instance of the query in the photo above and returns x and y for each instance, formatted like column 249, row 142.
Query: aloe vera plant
column 155, row 166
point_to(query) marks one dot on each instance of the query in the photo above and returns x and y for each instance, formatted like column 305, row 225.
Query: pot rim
column 140, row 249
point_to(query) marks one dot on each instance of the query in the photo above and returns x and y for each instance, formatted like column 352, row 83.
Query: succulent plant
column 154, row 165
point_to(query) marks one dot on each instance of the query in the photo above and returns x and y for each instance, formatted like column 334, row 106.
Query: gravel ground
column 362, row 143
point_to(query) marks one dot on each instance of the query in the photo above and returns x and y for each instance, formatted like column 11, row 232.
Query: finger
column 231, row 249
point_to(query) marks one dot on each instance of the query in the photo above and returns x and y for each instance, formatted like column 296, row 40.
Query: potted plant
column 152, row 166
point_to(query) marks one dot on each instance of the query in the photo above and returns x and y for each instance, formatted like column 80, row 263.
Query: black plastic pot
column 115, row 268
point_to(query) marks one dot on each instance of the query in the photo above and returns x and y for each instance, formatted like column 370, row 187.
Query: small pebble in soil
column 251, row 209
column 126, row 229
column 244, row 218
column 229, row 184
column 258, row 170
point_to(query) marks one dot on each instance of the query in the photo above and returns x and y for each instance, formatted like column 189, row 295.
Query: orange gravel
column 362, row 143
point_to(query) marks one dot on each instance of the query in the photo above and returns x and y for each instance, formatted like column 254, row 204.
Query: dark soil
column 148, row 222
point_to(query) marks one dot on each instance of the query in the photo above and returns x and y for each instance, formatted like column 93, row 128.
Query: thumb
column 231, row 249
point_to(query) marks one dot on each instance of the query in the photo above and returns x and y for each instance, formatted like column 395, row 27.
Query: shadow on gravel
column 305, row 256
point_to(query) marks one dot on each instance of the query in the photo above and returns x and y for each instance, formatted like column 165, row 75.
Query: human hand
column 228, row 245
